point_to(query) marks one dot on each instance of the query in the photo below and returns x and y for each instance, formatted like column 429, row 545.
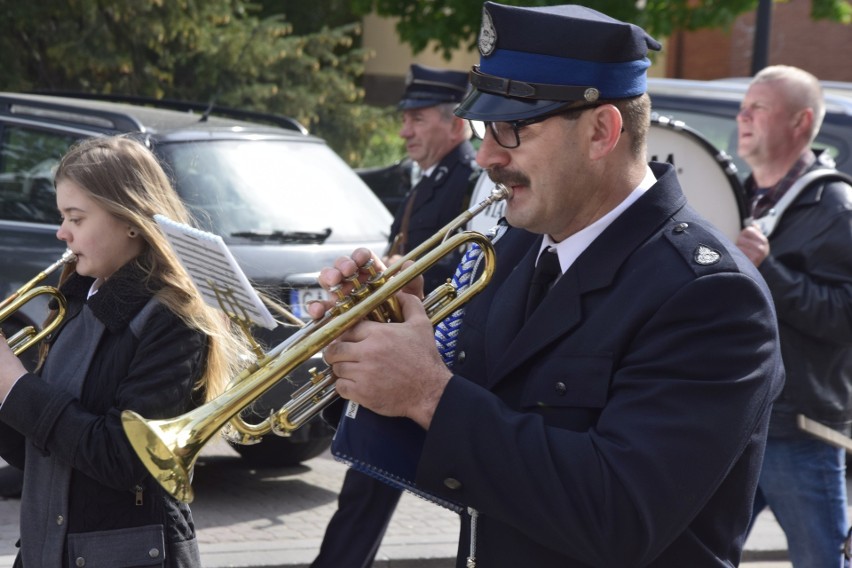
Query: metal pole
column 760, row 52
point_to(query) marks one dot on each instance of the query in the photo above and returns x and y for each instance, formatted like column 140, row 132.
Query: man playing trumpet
column 618, row 417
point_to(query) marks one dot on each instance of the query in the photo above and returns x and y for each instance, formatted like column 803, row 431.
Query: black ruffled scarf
column 118, row 299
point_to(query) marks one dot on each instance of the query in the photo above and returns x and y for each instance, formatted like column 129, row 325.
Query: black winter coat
column 809, row 271
column 110, row 490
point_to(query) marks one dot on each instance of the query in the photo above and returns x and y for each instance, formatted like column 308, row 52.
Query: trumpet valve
column 359, row 292
column 306, row 402
column 370, row 267
column 343, row 303
column 17, row 342
column 441, row 296
column 315, row 376
column 234, row 435
column 354, row 280
column 309, row 390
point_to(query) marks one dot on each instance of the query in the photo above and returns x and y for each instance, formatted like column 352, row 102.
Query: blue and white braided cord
column 447, row 330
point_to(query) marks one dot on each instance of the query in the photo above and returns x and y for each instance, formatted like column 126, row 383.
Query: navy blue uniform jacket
column 624, row 423
column 440, row 198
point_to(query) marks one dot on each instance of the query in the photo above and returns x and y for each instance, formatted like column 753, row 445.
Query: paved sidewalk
column 275, row 518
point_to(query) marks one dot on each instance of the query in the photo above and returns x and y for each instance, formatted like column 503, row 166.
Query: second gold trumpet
column 169, row 448
column 29, row 336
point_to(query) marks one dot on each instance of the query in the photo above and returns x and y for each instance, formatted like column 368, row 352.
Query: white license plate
column 301, row 297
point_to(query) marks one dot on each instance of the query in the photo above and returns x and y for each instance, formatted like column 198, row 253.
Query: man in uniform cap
column 439, row 143
column 428, row 86
column 609, row 400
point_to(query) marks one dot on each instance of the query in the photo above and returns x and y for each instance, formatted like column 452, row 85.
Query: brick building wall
column 821, row 47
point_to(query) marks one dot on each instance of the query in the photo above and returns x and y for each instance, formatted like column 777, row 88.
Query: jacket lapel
column 514, row 341
column 511, row 341
column 428, row 186
column 506, row 313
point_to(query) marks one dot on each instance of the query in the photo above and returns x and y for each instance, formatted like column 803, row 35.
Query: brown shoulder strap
column 401, row 239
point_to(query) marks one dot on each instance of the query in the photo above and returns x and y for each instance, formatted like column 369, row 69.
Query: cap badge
column 705, row 255
column 591, row 94
column 487, row 35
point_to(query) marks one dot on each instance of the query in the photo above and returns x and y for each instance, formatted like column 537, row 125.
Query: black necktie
column 547, row 270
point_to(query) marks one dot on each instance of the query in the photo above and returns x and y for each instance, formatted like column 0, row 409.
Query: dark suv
column 282, row 200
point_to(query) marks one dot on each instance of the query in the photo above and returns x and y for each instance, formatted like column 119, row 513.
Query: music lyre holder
column 219, row 278
column 237, row 313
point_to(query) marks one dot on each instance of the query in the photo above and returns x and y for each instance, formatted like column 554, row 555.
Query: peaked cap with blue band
column 536, row 61
column 428, row 86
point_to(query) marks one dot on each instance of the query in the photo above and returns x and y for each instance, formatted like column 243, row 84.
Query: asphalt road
column 276, row 517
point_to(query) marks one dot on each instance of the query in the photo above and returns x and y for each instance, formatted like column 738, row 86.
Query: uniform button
column 452, row 483
column 154, row 552
column 60, row 519
column 80, row 561
column 561, row 389
column 461, row 357
column 681, row 227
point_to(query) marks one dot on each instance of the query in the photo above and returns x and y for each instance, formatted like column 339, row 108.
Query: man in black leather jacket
column 806, row 260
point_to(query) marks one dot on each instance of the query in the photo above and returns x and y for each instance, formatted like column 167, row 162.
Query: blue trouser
column 803, row 482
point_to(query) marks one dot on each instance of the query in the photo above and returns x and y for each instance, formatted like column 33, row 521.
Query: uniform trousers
column 364, row 509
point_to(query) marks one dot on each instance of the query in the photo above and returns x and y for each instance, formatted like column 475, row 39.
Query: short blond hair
column 801, row 90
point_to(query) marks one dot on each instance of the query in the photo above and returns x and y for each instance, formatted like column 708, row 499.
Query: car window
column 235, row 187
column 28, row 159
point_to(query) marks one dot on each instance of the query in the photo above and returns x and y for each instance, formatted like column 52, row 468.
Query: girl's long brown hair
column 125, row 178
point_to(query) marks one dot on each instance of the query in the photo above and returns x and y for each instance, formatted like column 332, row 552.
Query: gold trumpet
column 28, row 336
column 169, row 447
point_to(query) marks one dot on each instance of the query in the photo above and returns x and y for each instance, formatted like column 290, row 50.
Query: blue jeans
column 803, row 482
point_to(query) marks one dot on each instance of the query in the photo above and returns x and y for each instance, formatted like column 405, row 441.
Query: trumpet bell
column 153, row 440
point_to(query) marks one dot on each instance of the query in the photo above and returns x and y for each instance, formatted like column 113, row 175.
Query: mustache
column 507, row 177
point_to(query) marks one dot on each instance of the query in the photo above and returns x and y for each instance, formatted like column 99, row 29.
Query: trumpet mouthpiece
column 68, row 256
column 501, row 191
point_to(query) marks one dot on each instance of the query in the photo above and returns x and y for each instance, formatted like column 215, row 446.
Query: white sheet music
column 215, row 271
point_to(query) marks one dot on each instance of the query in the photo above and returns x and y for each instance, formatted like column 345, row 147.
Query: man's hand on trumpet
column 345, row 268
column 393, row 369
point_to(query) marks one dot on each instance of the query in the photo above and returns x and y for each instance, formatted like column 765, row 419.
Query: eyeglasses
column 506, row 133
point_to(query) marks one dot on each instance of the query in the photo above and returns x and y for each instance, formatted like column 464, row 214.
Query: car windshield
column 275, row 190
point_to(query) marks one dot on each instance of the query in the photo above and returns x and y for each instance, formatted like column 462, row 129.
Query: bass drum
column 707, row 175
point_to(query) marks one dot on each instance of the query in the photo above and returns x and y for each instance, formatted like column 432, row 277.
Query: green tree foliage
column 194, row 50
column 309, row 17
column 454, row 24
